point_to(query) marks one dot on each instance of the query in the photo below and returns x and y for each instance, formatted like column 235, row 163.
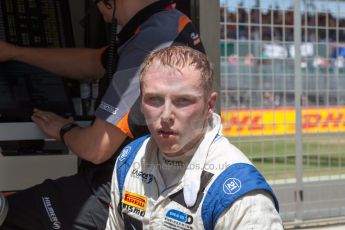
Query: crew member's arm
column 253, row 211
column 76, row 63
column 96, row 143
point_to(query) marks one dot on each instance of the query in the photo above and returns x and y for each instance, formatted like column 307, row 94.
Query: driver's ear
column 211, row 103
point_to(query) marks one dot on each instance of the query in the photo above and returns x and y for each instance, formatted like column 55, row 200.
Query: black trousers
column 78, row 202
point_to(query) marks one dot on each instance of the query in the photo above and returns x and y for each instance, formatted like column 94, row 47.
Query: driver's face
column 175, row 108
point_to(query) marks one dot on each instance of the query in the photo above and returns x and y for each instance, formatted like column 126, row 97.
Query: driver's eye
column 183, row 101
column 154, row 100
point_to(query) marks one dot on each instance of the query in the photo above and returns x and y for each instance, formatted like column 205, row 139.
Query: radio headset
column 114, row 41
column 106, row 3
column 92, row 92
column 112, row 54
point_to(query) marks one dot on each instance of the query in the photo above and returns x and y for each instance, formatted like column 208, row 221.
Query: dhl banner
column 281, row 121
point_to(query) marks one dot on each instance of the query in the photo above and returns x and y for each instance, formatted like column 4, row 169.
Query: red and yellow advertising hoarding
column 281, row 121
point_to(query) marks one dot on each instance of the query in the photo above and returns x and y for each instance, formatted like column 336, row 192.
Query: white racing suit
column 220, row 189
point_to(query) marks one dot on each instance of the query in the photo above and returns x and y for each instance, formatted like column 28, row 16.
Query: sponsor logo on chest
column 124, row 153
column 175, row 219
column 134, row 203
column 145, row 177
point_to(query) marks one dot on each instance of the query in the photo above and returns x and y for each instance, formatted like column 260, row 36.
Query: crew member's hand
column 49, row 122
column 7, row 51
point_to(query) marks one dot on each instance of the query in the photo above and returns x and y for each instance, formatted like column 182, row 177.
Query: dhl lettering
column 246, row 122
column 255, row 124
column 282, row 121
column 310, row 120
column 335, row 121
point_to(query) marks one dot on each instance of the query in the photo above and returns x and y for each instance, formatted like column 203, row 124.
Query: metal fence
column 283, row 98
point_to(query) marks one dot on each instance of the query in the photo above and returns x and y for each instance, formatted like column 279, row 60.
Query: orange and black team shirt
column 156, row 26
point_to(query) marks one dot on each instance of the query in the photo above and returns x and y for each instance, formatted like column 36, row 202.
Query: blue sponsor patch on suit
column 124, row 153
column 179, row 216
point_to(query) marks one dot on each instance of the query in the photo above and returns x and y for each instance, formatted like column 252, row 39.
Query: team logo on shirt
column 109, row 108
column 175, row 219
column 56, row 224
column 124, row 153
column 145, row 177
column 195, row 37
column 134, row 203
column 232, row 186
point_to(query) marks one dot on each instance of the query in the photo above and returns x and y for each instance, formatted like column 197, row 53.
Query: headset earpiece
column 105, row 2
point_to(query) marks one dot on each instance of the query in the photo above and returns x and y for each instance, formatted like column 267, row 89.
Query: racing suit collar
column 192, row 178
